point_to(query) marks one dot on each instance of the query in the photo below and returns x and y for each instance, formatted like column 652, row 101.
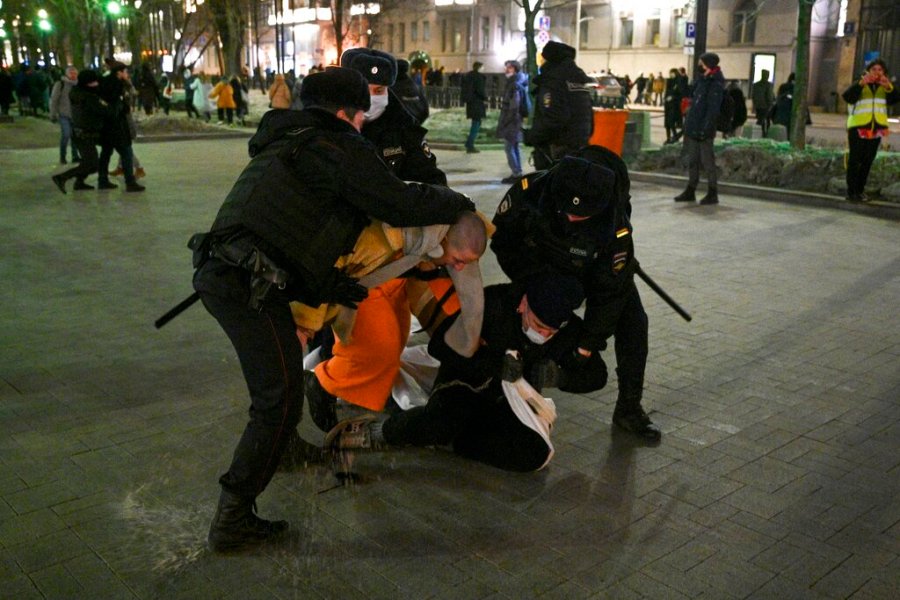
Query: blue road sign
column 690, row 30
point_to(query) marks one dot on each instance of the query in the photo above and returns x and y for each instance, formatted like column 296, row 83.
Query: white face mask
column 534, row 337
column 379, row 105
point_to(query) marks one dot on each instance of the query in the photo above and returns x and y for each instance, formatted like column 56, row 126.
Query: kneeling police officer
column 574, row 219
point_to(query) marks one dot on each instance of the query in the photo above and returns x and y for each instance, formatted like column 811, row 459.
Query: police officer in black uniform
column 301, row 202
column 563, row 116
column 388, row 124
column 410, row 92
column 574, row 218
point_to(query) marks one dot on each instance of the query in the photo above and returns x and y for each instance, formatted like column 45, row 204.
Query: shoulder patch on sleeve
column 505, row 205
column 426, row 149
column 546, row 100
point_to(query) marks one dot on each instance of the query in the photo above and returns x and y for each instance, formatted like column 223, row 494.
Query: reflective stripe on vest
column 869, row 104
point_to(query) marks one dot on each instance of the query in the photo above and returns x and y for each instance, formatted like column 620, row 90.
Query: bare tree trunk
column 801, row 82
column 531, row 8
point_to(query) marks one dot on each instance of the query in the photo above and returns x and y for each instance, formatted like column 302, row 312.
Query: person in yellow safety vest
column 867, row 104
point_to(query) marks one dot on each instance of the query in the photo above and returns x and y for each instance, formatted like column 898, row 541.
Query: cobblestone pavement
column 777, row 476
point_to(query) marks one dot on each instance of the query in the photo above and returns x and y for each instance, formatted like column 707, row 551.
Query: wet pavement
column 777, row 476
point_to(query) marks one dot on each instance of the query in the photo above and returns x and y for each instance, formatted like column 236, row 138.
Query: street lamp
column 44, row 27
column 112, row 10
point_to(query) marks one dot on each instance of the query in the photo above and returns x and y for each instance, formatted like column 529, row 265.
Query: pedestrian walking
column 640, row 83
column 7, row 90
column 867, row 123
column 513, row 109
column 61, row 112
column 201, row 88
column 700, row 129
column 148, row 89
column 672, row 117
column 116, row 135
column 166, row 92
column 223, row 94
column 740, row 108
column 89, row 116
column 473, row 95
column 762, row 98
column 189, row 107
column 659, row 89
column 241, row 98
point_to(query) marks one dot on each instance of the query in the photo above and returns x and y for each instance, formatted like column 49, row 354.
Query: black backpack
column 725, row 120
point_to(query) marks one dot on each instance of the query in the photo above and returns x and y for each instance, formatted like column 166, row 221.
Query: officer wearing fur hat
column 310, row 187
column 388, row 124
column 563, row 116
column 574, row 219
column 529, row 332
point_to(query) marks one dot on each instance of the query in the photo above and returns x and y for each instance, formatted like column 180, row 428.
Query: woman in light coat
column 279, row 93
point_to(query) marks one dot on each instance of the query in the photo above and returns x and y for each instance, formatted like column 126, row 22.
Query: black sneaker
column 60, row 182
column 80, row 185
column 472, row 150
column 134, row 187
column 637, row 422
column 321, row 403
column 106, row 185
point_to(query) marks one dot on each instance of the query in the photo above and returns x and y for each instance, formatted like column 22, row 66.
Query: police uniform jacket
column 308, row 191
column 533, row 237
column 706, row 102
column 501, row 330
column 563, row 115
column 412, row 96
column 401, row 144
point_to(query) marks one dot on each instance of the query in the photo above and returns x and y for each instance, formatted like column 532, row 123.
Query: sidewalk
column 777, row 477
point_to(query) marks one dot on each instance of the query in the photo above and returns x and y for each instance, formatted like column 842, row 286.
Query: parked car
column 607, row 91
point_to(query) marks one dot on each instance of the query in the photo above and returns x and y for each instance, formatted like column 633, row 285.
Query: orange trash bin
column 609, row 129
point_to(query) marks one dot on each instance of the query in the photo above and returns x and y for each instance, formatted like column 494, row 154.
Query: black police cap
column 582, row 188
column 336, row 86
column 553, row 296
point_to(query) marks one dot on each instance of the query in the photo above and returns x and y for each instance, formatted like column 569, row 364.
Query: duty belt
column 264, row 273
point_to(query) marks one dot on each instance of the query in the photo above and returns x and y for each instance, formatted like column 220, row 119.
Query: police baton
column 662, row 294
column 177, row 310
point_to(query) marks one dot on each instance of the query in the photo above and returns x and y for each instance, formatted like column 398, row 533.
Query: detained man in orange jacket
column 406, row 270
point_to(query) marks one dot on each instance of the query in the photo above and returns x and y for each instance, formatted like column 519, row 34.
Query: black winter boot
column 235, row 527
column 711, row 197
column 321, row 403
column 630, row 416
column 686, row 196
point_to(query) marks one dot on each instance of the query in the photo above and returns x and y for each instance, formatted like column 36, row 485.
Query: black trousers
column 631, row 342
column 699, row 153
column 862, row 155
column 480, row 427
column 272, row 362
column 127, row 154
column 87, row 148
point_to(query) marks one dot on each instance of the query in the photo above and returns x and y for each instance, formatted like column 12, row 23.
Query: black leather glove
column 344, row 290
column 512, row 367
column 544, row 374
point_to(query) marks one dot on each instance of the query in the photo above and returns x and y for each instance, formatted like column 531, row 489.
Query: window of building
column 501, row 27
column 743, row 24
column 414, row 31
column 426, row 31
column 627, row 38
column 401, row 37
column 653, row 32
column 444, row 35
column 485, row 33
column 390, row 37
column 583, row 35
column 679, row 22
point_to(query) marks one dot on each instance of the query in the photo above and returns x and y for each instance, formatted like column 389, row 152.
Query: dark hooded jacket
column 706, row 102
column 89, row 112
column 310, row 187
column 401, row 144
column 563, row 115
